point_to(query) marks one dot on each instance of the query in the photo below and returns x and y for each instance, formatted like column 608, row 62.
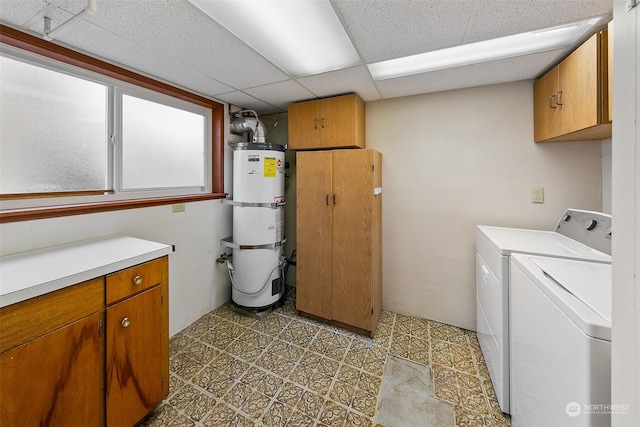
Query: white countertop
column 29, row 274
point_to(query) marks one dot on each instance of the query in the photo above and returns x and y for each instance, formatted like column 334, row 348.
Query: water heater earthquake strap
column 228, row 242
column 275, row 205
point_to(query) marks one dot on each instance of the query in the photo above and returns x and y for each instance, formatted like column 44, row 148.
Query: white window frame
column 159, row 98
column 113, row 140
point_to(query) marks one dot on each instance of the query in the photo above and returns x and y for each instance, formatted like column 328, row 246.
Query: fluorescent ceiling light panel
column 506, row 47
column 302, row 37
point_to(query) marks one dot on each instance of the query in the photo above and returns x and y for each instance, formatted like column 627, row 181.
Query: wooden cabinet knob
column 137, row 280
column 125, row 322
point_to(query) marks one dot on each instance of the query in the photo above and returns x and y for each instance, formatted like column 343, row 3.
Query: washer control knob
column 590, row 224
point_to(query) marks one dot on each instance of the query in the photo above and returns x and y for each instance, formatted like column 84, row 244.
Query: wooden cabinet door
column 314, row 200
column 578, row 83
column 545, row 112
column 352, row 239
column 55, row 380
column 608, row 82
column 342, row 122
column 305, row 125
column 336, row 122
column 134, row 378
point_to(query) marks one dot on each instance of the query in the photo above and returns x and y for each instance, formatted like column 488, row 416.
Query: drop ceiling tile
column 242, row 100
column 498, row 18
column 356, row 79
column 176, row 42
column 389, row 29
column 501, row 71
column 121, row 51
column 17, row 12
column 182, row 33
column 280, row 94
column 187, row 78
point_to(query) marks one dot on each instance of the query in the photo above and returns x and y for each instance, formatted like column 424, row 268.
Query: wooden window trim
column 89, row 208
column 13, row 37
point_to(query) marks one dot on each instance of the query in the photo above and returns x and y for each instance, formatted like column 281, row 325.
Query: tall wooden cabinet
column 338, row 232
column 336, row 122
column 571, row 101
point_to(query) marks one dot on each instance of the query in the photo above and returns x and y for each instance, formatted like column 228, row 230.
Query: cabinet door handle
column 559, row 98
column 315, row 123
column 551, row 99
column 334, row 199
column 326, row 200
column 322, row 123
column 137, row 280
column 125, row 322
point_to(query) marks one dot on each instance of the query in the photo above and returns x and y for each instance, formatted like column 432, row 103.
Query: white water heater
column 257, row 267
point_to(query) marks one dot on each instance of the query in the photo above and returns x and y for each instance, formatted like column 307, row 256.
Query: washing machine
column 579, row 234
column 560, row 322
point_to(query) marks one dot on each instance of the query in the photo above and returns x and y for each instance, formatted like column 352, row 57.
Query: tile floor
column 287, row 370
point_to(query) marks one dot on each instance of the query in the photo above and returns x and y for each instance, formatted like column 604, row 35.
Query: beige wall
column 452, row 160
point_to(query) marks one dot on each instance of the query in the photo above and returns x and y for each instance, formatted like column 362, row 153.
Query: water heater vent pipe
column 241, row 124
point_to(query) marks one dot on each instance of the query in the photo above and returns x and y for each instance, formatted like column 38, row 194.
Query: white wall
column 452, row 160
column 607, row 147
column 197, row 284
column 625, row 351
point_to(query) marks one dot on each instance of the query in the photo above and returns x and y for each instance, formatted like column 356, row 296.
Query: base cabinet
column 55, row 380
column 338, row 226
column 73, row 358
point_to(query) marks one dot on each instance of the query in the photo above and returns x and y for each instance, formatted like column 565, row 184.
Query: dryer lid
column 588, row 282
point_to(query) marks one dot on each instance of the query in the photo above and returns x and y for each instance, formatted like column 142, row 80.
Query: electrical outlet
column 178, row 207
column 537, row 195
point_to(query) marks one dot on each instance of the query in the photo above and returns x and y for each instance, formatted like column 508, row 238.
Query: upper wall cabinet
column 571, row 102
column 336, row 122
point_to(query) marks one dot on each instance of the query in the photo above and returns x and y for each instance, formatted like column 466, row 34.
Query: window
column 63, row 133
column 162, row 146
column 53, row 131
column 75, row 130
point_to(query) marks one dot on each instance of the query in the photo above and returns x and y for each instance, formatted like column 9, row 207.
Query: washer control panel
column 587, row 227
